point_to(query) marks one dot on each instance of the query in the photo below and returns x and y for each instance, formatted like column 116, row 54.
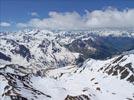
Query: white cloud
column 5, row 24
column 96, row 18
column 34, row 14
column 111, row 18
column 58, row 21
column 21, row 25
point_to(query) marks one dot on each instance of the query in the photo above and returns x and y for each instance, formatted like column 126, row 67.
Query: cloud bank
column 75, row 21
column 35, row 14
column 4, row 24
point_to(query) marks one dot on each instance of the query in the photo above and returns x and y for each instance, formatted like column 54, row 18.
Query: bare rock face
column 115, row 68
column 4, row 57
column 80, row 97
column 18, row 82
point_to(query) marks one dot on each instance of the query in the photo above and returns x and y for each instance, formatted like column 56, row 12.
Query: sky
column 65, row 14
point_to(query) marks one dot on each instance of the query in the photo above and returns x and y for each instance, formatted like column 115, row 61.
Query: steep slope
column 89, row 82
column 91, row 77
column 101, row 47
column 35, row 48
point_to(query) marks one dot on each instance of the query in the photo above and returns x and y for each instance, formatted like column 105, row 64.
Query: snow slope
column 70, row 83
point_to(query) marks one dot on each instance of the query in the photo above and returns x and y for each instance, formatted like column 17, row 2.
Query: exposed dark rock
column 124, row 74
column 4, row 57
column 18, row 98
column 80, row 97
column 23, row 51
column 131, row 79
column 119, row 58
column 44, row 45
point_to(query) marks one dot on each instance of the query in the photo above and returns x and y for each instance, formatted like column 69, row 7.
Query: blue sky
column 16, row 11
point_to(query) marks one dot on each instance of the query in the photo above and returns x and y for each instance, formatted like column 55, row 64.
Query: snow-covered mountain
column 67, row 65
column 95, row 80
column 35, row 48
column 61, row 48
